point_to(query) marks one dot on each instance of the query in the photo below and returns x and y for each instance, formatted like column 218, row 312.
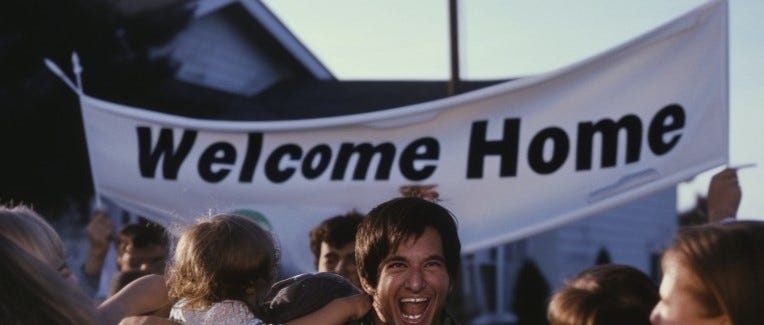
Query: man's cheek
column 380, row 307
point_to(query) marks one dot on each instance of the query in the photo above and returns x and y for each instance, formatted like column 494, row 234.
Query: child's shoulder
column 227, row 312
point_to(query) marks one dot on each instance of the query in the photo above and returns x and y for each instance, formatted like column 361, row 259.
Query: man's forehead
column 405, row 258
column 146, row 250
column 430, row 239
column 347, row 247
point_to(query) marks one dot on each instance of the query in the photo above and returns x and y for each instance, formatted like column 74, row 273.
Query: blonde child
column 224, row 265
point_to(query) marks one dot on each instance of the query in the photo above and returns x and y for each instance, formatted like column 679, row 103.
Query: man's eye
column 396, row 265
column 330, row 261
column 434, row 264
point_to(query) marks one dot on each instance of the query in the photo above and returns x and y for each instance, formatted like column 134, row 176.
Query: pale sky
column 404, row 39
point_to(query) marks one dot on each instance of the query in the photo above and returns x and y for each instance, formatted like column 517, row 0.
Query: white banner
column 509, row 161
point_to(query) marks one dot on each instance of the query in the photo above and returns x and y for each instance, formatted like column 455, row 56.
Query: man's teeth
column 414, row 311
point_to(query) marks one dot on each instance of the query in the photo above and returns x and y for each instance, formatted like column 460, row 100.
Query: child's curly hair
column 226, row 257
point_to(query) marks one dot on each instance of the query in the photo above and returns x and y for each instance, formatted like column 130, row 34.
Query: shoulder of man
column 447, row 319
column 366, row 320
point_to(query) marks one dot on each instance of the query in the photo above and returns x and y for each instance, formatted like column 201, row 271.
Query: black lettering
column 216, row 153
column 254, row 146
column 431, row 151
column 608, row 131
column 312, row 170
column 272, row 171
column 365, row 152
column 559, row 154
column 507, row 148
column 670, row 118
column 148, row 158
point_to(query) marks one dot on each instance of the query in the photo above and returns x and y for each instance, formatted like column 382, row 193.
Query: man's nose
column 654, row 317
column 339, row 267
column 415, row 280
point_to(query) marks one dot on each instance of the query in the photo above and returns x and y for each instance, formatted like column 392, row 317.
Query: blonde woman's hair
column 31, row 232
column 728, row 260
column 225, row 257
column 33, row 293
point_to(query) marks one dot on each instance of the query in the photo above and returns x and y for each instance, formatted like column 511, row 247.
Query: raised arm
column 339, row 311
column 100, row 230
column 143, row 296
column 724, row 195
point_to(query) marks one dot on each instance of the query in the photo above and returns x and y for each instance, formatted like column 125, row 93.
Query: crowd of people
column 397, row 264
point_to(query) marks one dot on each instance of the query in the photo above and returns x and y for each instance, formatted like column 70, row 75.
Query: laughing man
column 407, row 251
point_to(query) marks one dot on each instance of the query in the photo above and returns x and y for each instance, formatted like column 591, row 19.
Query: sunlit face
column 340, row 261
column 413, row 282
column 149, row 259
column 678, row 304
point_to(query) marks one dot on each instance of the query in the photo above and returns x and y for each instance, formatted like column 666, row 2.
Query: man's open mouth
column 413, row 309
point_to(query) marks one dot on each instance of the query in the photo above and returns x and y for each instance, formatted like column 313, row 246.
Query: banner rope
column 53, row 67
column 77, row 88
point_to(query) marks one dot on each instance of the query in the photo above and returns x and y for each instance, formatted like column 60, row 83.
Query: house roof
column 302, row 99
column 308, row 91
column 265, row 18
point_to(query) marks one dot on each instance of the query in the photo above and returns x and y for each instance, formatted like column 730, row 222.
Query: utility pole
column 453, row 26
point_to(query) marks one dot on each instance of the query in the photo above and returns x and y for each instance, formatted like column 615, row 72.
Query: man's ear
column 367, row 287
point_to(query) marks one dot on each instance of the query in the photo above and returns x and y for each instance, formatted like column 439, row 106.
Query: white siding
column 216, row 54
column 630, row 233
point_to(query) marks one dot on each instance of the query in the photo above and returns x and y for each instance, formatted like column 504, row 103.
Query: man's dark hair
column 395, row 221
column 142, row 234
column 336, row 231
